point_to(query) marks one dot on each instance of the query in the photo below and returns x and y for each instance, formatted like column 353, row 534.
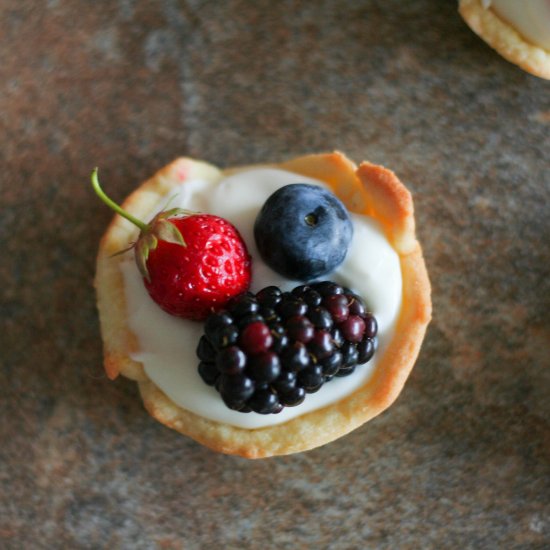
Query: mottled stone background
column 462, row 459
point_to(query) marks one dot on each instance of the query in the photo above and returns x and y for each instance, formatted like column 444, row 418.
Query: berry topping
column 267, row 351
column 303, row 231
column 192, row 264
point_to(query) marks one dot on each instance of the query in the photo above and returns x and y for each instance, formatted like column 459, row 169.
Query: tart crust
column 505, row 39
column 368, row 189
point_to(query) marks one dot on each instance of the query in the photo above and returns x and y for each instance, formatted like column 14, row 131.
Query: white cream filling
column 167, row 344
column 531, row 18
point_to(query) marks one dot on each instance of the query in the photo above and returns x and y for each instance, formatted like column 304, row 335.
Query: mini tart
column 368, row 189
column 504, row 38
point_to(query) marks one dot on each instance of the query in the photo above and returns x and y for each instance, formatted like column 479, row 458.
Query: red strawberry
column 192, row 264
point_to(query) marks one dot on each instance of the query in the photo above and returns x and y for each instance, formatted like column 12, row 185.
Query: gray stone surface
column 461, row 460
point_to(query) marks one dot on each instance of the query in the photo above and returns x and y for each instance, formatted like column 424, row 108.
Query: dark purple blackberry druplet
column 321, row 345
column 337, row 306
column 206, row 351
column 248, row 319
column 312, row 298
column 353, row 328
column 350, row 353
column 295, row 357
column 238, row 386
column 269, row 314
column 327, row 288
column 300, row 328
column 356, row 305
column 371, row 325
column 231, row 360
column 264, row 367
column 292, row 307
column 293, row 397
column 285, row 382
column 244, row 305
column 366, row 349
column 311, row 378
column 320, row 318
column 300, row 291
column 331, row 364
column 264, row 401
column 269, row 296
column 209, row 372
column 224, row 336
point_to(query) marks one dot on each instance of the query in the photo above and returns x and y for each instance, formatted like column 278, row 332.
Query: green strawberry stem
column 113, row 205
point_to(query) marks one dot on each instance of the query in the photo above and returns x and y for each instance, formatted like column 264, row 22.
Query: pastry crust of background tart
column 505, row 39
column 368, row 189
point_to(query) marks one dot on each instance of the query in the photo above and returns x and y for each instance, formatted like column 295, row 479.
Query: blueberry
column 303, row 231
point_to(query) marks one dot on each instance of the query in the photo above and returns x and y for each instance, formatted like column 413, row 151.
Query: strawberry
column 192, row 264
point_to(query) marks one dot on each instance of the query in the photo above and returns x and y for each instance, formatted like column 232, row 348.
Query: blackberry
column 267, row 351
